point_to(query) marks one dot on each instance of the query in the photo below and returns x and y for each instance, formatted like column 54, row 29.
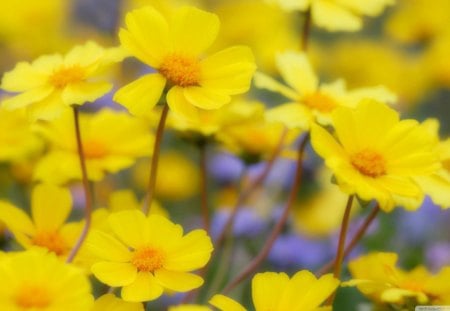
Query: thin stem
column 204, row 186
column 87, row 190
column 341, row 245
column 354, row 241
column 155, row 159
column 246, row 193
column 254, row 264
column 306, row 30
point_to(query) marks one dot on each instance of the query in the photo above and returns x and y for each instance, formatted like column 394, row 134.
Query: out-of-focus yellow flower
column 377, row 156
column 174, row 49
column 310, row 101
column 52, row 83
column 337, row 15
column 146, row 255
column 109, row 302
column 377, row 277
column 171, row 180
column 17, row 141
column 36, row 280
column 111, row 140
column 50, row 208
column 436, row 61
column 278, row 292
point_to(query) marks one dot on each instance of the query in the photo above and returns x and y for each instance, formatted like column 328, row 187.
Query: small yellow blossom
column 111, row 141
column 146, row 255
column 35, row 280
column 277, row 292
column 174, row 48
column 109, row 302
column 377, row 156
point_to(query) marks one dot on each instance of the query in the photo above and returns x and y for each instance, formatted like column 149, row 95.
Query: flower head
column 174, row 48
column 146, row 255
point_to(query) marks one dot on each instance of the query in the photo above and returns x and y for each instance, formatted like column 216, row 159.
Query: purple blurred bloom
column 438, row 255
column 225, row 168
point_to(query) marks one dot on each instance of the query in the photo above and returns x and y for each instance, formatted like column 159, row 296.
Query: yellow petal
column 194, row 30
column 144, row 288
column 84, row 55
column 180, row 105
column 225, row 304
column 205, row 98
column 27, row 98
column 437, row 187
column 292, row 115
column 267, row 290
column 58, row 167
column 23, row 78
column 324, row 144
column 178, row 281
column 371, row 8
column 141, row 95
column 50, row 207
column 264, row 81
column 147, row 35
column 49, row 108
column 109, row 302
column 83, row 92
column 115, row 273
column 130, row 226
column 297, row 72
column 104, row 246
column 333, row 17
column 16, row 219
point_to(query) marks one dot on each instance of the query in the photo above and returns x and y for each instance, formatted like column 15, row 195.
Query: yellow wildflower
column 174, row 49
column 147, row 255
column 50, row 208
column 277, row 292
column 52, row 83
column 376, row 155
column 310, row 101
column 112, row 141
column 377, row 277
column 35, row 280
column 110, row 302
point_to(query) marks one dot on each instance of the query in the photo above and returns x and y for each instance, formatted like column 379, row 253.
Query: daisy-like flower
column 36, row 280
column 277, row 292
column 50, row 208
column 112, row 303
column 52, row 83
column 174, row 47
column 337, row 15
column 377, row 156
column 377, row 277
column 309, row 100
column 146, row 255
column 111, row 140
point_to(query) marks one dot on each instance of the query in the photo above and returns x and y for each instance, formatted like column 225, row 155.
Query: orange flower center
column 320, row 101
column 369, row 163
column 412, row 285
column 148, row 259
column 32, row 296
column 66, row 75
column 93, row 149
column 52, row 241
column 181, row 70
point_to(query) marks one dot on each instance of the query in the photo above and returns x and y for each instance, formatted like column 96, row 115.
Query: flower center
column 93, row 149
column 412, row 285
column 181, row 70
column 148, row 259
column 52, row 241
column 66, row 75
column 369, row 163
column 32, row 296
column 320, row 101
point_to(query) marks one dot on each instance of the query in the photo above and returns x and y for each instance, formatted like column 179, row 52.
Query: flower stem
column 204, row 186
column 87, row 190
column 254, row 264
column 306, row 30
column 155, row 159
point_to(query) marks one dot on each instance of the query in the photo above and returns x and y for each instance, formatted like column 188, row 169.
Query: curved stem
column 204, row 186
column 87, row 190
column 306, row 30
column 354, row 241
column 155, row 159
column 254, row 264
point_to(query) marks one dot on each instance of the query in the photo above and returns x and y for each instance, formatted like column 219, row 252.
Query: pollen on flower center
column 369, row 163
column 66, row 75
column 52, row 241
column 320, row 101
column 94, row 149
column 32, row 296
column 148, row 259
column 181, row 70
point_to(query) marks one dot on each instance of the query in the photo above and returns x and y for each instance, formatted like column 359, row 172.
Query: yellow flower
column 377, row 156
column 377, row 277
column 52, row 83
column 277, row 292
column 111, row 141
column 147, row 255
column 35, row 280
column 109, row 302
column 310, row 101
column 50, row 208
column 174, row 48
column 337, row 15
